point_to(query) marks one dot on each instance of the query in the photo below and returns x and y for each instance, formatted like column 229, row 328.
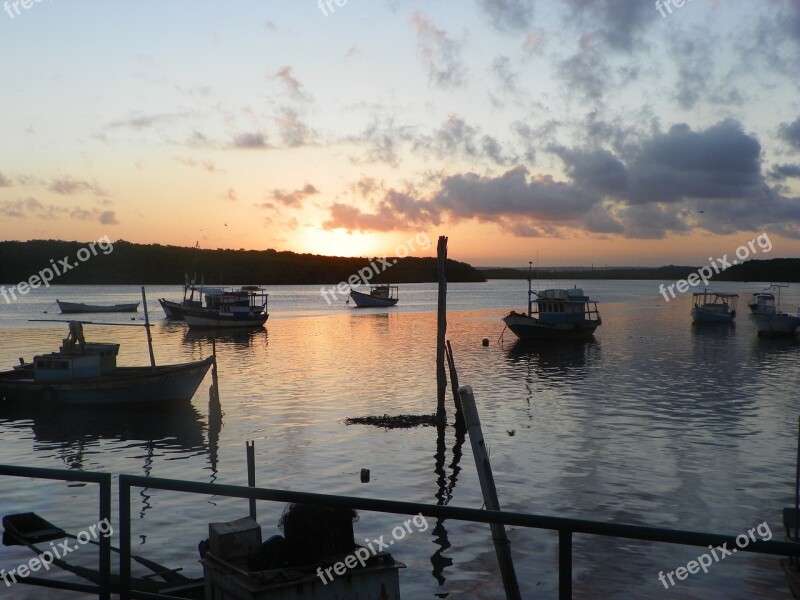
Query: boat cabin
column 81, row 362
column 558, row 304
column 384, row 292
column 248, row 299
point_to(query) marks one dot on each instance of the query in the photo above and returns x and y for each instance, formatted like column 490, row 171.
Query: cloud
column 790, row 133
column 30, row 207
column 783, row 172
column 106, row 217
column 587, row 70
column 508, row 15
column 661, row 184
column 230, row 195
column 618, row 22
column 455, row 138
column 69, row 186
column 292, row 85
column 205, row 165
column 250, row 140
column 440, row 53
column 293, row 131
column 144, row 121
column 293, row 198
column 5, row 181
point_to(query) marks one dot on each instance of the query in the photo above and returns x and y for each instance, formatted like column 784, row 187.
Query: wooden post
column 251, row 473
column 147, row 327
column 501, row 544
column 451, row 363
column 441, row 328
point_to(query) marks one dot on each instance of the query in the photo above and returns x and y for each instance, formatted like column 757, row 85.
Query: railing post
column 564, row 564
column 124, row 538
column 105, row 540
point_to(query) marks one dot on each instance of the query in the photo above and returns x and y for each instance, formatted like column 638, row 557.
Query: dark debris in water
column 395, row 421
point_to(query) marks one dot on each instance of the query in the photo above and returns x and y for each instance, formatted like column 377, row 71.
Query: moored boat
column 174, row 310
column 759, row 302
column 379, row 295
column 770, row 320
column 245, row 307
column 79, row 307
column 555, row 314
column 83, row 373
column 711, row 307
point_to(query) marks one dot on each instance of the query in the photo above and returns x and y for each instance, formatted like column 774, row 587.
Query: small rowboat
column 77, row 307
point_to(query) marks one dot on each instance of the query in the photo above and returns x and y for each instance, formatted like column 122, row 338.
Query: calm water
column 655, row 422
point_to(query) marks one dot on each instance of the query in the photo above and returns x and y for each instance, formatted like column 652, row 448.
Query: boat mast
column 530, row 275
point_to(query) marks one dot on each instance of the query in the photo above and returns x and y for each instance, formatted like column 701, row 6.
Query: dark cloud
column 618, row 22
column 790, row 133
column 783, row 172
column 108, row 217
column 250, row 140
column 668, row 183
column 69, row 186
column 594, row 169
column 719, row 162
column 508, row 15
column 586, row 71
column 440, row 53
column 293, row 198
column 456, row 138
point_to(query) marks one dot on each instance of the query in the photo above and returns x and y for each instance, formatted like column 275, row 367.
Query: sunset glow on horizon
column 585, row 133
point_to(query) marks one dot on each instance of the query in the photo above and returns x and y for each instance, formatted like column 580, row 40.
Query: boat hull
column 124, row 386
column 700, row 315
column 200, row 319
column 530, row 328
column 363, row 300
column 173, row 310
column 77, row 308
column 776, row 324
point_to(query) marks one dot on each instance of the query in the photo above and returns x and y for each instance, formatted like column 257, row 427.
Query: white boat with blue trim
column 712, row 307
column 555, row 314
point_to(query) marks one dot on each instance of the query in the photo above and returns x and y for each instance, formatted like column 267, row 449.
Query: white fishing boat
column 244, row 307
column 711, row 307
column 770, row 320
column 555, row 314
column 759, row 301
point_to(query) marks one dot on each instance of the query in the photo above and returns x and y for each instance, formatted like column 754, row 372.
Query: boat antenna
column 147, row 328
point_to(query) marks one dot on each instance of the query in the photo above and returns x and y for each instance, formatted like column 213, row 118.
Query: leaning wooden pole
column 147, row 327
column 441, row 329
column 501, row 544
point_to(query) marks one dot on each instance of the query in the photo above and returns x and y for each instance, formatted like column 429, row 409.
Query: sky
column 618, row 132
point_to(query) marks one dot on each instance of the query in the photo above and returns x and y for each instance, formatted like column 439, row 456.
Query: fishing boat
column 759, row 300
column 379, row 295
column 245, row 307
column 84, row 373
column 555, row 314
column 711, row 307
column 174, row 310
column 78, row 307
column 771, row 321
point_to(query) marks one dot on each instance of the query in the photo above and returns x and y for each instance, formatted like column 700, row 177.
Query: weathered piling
column 441, row 328
column 147, row 327
column 460, row 425
column 251, row 474
column 501, row 544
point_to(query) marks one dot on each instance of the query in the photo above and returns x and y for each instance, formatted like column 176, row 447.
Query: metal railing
column 103, row 480
column 566, row 528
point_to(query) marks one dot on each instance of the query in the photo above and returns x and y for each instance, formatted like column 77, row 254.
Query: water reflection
column 72, row 431
column 558, row 362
